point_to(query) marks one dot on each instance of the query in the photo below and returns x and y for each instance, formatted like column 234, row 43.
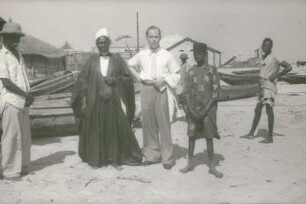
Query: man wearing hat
column 15, row 100
column 103, row 100
column 158, row 72
column 201, row 92
column 2, row 22
column 184, row 68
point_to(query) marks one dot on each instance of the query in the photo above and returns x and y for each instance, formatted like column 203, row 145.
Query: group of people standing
column 103, row 101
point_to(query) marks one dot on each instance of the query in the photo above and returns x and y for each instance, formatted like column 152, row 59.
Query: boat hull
column 238, row 80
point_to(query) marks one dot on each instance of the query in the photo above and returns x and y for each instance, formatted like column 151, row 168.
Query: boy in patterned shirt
column 201, row 92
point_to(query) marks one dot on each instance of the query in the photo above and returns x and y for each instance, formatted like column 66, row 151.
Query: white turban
column 102, row 32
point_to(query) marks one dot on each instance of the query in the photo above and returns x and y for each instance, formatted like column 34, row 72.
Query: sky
column 231, row 26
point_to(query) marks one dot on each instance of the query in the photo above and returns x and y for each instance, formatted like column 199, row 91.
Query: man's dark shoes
column 217, row 136
column 147, row 163
column 16, row 178
column 168, row 166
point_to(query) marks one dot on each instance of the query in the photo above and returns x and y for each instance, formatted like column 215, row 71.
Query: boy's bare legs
column 256, row 120
column 190, row 164
column 211, row 157
column 270, row 113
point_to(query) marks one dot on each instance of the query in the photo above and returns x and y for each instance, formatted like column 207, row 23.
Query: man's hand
column 194, row 114
column 111, row 81
column 147, row 82
column 29, row 99
column 83, row 106
column 189, row 111
column 205, row 110
column 159, row 82
column 272, row 77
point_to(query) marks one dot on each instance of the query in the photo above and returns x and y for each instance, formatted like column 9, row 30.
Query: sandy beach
column 253, row 172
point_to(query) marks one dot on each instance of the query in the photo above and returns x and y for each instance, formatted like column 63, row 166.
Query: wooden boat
column 56, row 83
column 236, row 92
column 294, row 79
column 246, row 72
column 238, row 80
column 51, row 115
column 35, row 82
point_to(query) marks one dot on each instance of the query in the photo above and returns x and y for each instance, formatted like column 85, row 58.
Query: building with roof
column 186, row 45
column 41, row 58
column 126, row 47
column 76, row 59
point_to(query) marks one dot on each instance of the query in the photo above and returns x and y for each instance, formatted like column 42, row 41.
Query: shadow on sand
column 55, row 158
column 45, row 141
column 202, row 158
column 264, row 134
column 179, row 152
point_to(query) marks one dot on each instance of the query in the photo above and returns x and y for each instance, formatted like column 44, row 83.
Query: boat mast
column 137, row 27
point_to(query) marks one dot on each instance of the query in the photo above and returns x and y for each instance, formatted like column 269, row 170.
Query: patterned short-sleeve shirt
column 201, row 84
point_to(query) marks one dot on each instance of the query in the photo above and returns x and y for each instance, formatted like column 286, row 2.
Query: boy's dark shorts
column 205, row 128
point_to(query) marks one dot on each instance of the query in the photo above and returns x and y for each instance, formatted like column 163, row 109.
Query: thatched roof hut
column 40, row 57
column 33, row 46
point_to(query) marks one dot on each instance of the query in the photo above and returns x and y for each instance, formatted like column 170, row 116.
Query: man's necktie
column 153, row 66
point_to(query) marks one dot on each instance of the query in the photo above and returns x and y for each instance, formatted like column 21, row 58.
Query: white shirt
column 269, row 66
column 104, row 61
column 15, row 71
column 165, row 66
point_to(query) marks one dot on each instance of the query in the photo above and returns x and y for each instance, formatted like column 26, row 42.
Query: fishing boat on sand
column 232, row 79
column 294, row 79
column 52, row 115
column 235, row 92
column 247, row 72
column 56, row 83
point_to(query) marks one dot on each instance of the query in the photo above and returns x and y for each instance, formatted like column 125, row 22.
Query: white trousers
column 16, row 141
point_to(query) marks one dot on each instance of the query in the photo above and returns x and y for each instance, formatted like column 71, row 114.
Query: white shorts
column 266, row 97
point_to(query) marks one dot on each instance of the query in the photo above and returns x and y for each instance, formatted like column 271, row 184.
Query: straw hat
column 12, row 28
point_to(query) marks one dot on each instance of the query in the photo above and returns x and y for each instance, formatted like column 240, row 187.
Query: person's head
column 11, row 34
column 183, row 57
column 199, row 52
column 153, row 35
column 11, row 41
column 267, row 45
column 103, row 41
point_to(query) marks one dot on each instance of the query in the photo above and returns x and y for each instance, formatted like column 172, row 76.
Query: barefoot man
column 201, row 91
column 269, row 74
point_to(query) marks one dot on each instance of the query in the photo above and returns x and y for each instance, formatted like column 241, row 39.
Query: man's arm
column 173, row 78
column 287, row 68
column 133, row 64
column 9, row 85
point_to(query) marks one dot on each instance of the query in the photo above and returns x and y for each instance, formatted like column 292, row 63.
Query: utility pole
column 137, row 32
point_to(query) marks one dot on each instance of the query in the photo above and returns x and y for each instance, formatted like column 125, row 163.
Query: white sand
column 254, row 172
